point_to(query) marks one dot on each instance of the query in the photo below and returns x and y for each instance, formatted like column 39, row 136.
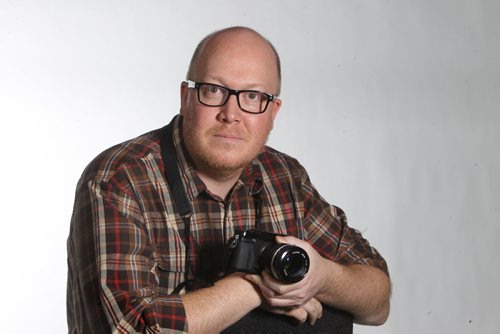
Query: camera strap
column 255, row 191
column 179, row 198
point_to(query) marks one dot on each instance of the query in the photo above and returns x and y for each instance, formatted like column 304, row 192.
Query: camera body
column 254, row 251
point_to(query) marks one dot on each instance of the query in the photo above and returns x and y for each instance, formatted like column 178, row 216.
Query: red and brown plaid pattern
column 126, row 248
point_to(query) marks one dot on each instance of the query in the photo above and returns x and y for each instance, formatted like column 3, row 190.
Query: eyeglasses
column 212, row 95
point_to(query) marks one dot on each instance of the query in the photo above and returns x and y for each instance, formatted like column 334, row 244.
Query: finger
column 287, row 240
column 291, row 241
column 299, row 314
column 280, row 302
column 278, row 294
column 314, row 311
column 292, row 294
column 278, row 287
column 255, row 279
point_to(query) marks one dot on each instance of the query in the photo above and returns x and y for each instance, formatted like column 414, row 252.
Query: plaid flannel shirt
column 126, row 248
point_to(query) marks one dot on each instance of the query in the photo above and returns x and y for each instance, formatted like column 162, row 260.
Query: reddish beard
column 223, row 157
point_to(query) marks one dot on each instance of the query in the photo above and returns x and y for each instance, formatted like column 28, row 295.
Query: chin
column 223, row 158
column 228, row 162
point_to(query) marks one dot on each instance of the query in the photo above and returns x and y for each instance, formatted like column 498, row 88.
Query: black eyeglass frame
column 197, row 85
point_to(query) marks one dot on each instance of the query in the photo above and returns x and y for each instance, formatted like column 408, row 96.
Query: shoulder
column 124, row 155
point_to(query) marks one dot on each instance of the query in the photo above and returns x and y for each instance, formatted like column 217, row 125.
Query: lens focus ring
column 289, row 263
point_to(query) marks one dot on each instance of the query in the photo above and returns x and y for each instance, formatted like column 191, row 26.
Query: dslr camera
column 254, row 251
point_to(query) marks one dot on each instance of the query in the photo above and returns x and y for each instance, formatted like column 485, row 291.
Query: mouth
column 229, row 136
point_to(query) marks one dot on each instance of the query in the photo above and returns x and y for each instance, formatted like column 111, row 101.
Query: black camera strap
column 180, row 201
column 256, row 192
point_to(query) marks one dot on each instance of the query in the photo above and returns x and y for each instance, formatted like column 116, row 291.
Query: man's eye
column 252, row 96
column 212, row 89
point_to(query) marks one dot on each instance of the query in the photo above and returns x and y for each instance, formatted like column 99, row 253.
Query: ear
column 275, row 107
column 184, row 92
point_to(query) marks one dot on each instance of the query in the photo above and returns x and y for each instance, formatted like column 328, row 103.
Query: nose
column 230, row 112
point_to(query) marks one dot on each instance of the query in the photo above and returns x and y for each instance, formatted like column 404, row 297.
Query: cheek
column 263, row 126
column 193, row 118
column 260, row 132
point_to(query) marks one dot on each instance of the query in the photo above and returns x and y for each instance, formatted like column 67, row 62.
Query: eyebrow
column 251, row 86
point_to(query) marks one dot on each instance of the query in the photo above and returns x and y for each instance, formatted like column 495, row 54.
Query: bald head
column 237, row 38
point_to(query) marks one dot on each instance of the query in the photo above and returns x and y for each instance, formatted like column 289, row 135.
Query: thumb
column 255, row 279
column 288, row 240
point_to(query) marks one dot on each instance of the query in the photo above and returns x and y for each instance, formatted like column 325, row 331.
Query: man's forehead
column 234, row 39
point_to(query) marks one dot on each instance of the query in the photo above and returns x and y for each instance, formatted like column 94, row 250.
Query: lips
column 233, row 136
column 227, row 134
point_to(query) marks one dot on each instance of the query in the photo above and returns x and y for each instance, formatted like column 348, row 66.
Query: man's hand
column 294, row 300
column 360, row 289
column 310, row 311
column 279, row 294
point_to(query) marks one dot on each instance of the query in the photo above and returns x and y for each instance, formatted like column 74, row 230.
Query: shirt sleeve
column 329, row 233
column 127, row 267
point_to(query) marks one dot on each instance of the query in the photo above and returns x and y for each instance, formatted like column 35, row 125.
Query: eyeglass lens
column 250, row 101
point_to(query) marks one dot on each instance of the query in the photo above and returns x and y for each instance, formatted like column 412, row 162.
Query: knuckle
column 280, row 290
column 302, row 295
column 272, row 302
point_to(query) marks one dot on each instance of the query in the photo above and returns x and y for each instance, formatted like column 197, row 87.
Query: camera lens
column 293, row 264
column 287, row 263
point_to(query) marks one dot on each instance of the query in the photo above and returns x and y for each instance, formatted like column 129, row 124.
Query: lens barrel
column 286, row 263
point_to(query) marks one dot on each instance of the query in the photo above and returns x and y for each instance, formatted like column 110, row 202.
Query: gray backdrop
column 392, row 106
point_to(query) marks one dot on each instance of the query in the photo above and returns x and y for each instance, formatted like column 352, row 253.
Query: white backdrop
column 392, row 106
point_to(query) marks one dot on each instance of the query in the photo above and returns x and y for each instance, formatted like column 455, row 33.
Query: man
column 129, row 247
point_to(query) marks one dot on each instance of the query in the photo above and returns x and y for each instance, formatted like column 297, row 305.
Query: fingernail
column 280, row 239
column 249, row 278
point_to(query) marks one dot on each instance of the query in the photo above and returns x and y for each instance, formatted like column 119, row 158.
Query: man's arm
column 213, row 309
column 125, row 275
column 362, row 290
column 345, row 271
